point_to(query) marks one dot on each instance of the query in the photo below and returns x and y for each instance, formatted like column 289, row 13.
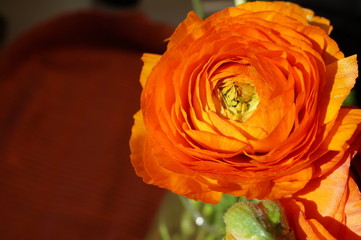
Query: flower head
column 246, row 102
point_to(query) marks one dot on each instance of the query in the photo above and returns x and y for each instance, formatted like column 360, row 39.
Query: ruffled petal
column 303, row 226
column 153, row 167
column 137, row 146
column 188, row 28
column 287, row 9
column 149, row 60
column 322, row 196
column 346, row 127
column 290, row 184
column 353, row 211
column 340, row 79
column 327, row 208
column 322, row 23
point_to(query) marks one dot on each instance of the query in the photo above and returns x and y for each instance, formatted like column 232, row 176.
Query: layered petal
column 149, row 60
column 327, row 208
column 340, row 76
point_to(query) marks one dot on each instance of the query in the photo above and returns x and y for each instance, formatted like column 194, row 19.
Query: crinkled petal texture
column 246, row 102
column 329, row 208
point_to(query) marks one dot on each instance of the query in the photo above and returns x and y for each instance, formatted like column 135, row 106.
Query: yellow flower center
column 238, row 100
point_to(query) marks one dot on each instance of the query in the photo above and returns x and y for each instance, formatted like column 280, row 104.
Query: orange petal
column 340, row 78
column 225, row 127
column 166, row 172
column 320, row 230
column 322, row 43
column 258, row 190
column 291, row 183
column 322, row 23
column 308, row 221
column 279, row 134
column 309, row 15
column 290, row 10
column 353, row 211
column 189, row 27
column 149, row 60
column 216, row 142
column 137, row 144
column 346, row 126
column 304, row 227
column 334, row 200
column 155, row 167
column 326, row 192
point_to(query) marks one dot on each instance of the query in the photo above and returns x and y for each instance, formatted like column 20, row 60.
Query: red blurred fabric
column 68, row 90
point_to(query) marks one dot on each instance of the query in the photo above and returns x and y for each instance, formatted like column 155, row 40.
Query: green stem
column 198, row 8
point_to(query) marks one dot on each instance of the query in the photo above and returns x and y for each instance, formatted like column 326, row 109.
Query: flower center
column 238, row 100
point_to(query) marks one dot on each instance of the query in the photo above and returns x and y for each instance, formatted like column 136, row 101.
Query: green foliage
column 351, row 99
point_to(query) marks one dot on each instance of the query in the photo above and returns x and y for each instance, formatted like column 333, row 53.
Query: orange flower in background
column 246, row 102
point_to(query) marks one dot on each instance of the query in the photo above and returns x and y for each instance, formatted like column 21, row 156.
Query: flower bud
column 257, row 220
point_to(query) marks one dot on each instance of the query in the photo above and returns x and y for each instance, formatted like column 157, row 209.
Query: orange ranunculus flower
column 246, row 102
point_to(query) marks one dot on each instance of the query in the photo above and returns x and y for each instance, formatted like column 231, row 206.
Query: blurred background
column 18, row 15
column 69, row 86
